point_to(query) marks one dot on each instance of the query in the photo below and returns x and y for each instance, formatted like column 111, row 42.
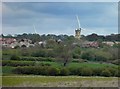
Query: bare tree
column 63, row 53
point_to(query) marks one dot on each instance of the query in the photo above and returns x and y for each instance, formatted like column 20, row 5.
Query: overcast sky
column 59, row 18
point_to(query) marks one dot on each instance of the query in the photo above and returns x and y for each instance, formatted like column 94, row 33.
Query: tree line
column 37, row 37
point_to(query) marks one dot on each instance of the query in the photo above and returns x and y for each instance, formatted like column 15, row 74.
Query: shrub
column 37, row 70
column 97, row 71
column 117, row 73
column 17, row 63
column 79, row 60
column 116, row 62
column 76, row 55
column 100, row 58
column 54, row 71
column 76, row 52
column 37, row 59
column 30, row 70
column 40, row 53
column 5, row 62
column 42, row 70
column 112, row 70
column 22, row 63
column 88, row 56
column 64, row 72
column 106, row 73
column 86, row 72
column 74, row 71
column 16, row 47
column 15, row 57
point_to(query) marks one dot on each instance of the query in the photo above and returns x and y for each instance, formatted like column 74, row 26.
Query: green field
column 53, row 81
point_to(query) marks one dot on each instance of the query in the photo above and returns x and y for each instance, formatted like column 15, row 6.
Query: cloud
column 61, row 1
column 59, row 18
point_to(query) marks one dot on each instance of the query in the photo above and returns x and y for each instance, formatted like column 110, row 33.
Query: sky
column 59, row 17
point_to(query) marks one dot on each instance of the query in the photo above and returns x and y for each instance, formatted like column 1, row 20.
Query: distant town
column 31, row 40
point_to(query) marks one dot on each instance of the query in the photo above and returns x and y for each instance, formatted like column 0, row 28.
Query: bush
column 36, row 59
column 64, row 72
column 40, row 53
column 79, row 60
column 97, row 71
column 76, row 52
column 106, row 73
column 88, row 56
column 73, row 71
column 86, row 72
column 76, row 55
column 112, row 70
column 37, row 70
column 116, row 62
column 53, row 71
column 17, row 63
column 15, row 57
column 22, row 63
column 117, row 73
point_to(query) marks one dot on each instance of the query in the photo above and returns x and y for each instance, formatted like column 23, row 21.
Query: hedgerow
column 22, row 63
column 65, row 71
column 36, row 59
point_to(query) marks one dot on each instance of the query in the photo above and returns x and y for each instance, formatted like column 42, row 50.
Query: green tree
column 76, row 52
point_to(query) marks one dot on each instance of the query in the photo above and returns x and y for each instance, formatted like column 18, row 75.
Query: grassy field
column 53, row 81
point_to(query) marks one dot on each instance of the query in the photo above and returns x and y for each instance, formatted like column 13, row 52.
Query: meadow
column 58, row 81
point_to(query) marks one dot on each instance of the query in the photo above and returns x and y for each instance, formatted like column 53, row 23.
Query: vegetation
column 46, row 68
column 91, row 37
column 58, row 81
column 62, row 58
column 52, row 71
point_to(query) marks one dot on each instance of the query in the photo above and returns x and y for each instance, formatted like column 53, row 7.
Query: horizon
column 60, row 18
column 58, row 34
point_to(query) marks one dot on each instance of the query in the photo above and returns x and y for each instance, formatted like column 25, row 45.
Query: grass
column 84, row 64
column 92, row 65
column 39, row 80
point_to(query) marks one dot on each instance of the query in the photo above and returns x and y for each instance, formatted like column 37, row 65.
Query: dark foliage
column 52, row 71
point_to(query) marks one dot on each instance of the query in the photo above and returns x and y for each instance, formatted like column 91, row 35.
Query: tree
column 63, row 53
column 76, row 52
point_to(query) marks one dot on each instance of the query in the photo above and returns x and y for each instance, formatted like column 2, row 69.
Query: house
column 42, row 43
column 109, row 43
column 25, row 43
column 7, row 41
column 87, row 44
column 12, row 43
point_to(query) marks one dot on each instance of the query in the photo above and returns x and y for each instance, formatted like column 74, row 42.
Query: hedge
column 37, row 70
column 22, row 63
column 15, row 57
column 35, row 59
column 65, row 71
